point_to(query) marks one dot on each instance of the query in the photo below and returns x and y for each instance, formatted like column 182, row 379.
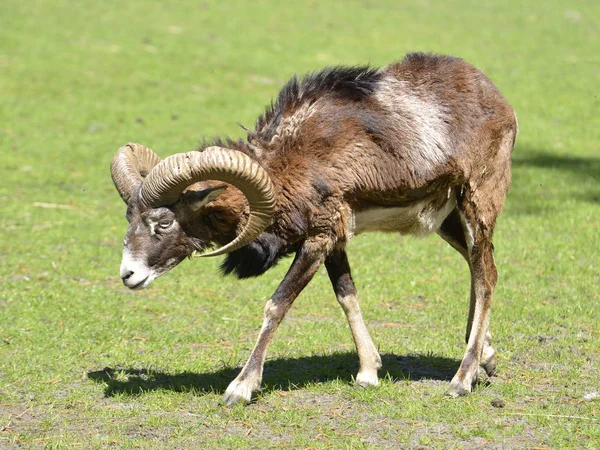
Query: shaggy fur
column 418, row 147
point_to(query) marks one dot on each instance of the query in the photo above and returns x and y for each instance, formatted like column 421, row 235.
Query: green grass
column 85, row 363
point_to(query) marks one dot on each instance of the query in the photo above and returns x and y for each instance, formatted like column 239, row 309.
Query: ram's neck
column 226, row 216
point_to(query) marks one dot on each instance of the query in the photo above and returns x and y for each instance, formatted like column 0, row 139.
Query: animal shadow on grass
column 576, row 169
column 283, row 374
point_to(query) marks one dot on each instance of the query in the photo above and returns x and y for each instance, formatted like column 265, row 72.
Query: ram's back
column 384, row 137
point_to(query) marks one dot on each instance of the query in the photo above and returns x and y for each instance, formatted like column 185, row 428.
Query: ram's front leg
column 303, row 268
column 338, row 269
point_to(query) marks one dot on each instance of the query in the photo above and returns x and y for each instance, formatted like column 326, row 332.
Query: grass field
column 85, row 363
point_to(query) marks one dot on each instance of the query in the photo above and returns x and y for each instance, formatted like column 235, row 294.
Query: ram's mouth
column 141, row 285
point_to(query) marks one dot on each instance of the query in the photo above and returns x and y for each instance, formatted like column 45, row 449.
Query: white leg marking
column 488, row 355
column 249, row 379
column 469, row 235
column 368, row 356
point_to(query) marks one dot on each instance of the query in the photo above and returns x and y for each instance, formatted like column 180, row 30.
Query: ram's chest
column 420, row 219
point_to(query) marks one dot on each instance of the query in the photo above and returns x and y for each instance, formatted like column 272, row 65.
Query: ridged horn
column 165, row 183
column 130, row 165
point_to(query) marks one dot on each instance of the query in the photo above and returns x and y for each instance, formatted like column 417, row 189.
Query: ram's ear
column 197, row 199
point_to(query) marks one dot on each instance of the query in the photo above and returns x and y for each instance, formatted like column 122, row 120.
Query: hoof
column 482, row 376
column 365, row 379
column 237, row 393
column 490, row 366
column 234, row 399
column 457, row 390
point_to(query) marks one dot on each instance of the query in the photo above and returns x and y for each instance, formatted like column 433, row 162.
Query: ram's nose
column 126, row 275
column 134, row 280
column 134, row 273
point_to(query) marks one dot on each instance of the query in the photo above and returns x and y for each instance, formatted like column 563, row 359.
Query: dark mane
column 347, row 83
column 233, row 144
column 255, row 258
column 420, row 59
column 220, row 142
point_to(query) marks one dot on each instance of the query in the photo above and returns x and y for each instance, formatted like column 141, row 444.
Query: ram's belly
column 420, row 219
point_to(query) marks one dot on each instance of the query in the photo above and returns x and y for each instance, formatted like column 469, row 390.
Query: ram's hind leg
column 483, row 281
column 456, row 233
column 479, row 205
column 345, row 291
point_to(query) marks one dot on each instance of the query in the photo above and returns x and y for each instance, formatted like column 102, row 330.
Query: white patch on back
column 424, row 118
column 420, row 219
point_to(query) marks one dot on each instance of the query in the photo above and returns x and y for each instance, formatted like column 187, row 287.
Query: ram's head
column 166, row 198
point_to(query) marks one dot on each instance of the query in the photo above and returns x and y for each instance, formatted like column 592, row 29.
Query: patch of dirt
column 334, row 416
column 16, row 420
column 427, row 435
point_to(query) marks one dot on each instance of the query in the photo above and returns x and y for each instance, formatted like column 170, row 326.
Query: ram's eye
column 165, row 223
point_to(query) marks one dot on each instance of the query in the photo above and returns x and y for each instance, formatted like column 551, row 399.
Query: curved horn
column 130, row 165
column 165, row 183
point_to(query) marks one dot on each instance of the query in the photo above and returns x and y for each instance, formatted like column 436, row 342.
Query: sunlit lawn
column 84, row 363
